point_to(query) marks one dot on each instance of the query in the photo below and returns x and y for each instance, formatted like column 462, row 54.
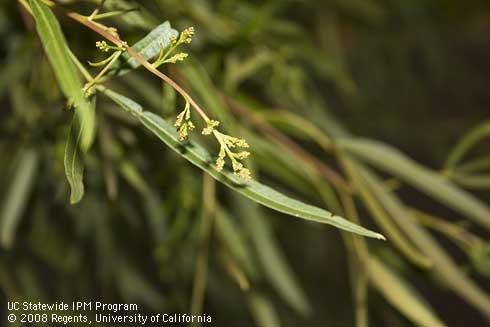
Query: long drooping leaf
column 273, row 261
column 397, row 292
column 442, row 263
column 56, row 49
column 263, row 311
column 148, row 47
column 396, row 163
column 298, row 126
column 386, row 222
column 74, row 157
column 254, row 190
column 233, row 238
column 476, row 181
column 16, row 196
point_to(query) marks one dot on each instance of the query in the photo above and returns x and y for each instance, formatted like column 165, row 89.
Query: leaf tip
column 76, row 196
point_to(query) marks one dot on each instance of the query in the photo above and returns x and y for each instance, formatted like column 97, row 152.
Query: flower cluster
column 183, row 123
column 178, row 57
column 104, row 47
column 228, row 142
column 184, row 38
column 107, row 63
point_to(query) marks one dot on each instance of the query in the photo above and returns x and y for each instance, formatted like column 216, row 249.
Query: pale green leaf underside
column 396, row 163
column 56, row 49
column 254, row 190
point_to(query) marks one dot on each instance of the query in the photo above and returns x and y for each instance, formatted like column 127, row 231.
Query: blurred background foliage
column 311, row 85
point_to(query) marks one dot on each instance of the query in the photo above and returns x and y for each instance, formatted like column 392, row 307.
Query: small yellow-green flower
column 220, row 162
column 183, row 122
column 186, row 35
column 241, row 171
column 178, row 57
column 226, row 142
column 210, row 125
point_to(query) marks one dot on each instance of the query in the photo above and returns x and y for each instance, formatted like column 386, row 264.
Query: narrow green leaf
column 56, row 49
column 130, row 172
column 126, row 103
column 274, row 263
column 386, row 222
column 254, row 190
column 233, row 238
column 442, row 262
column 148, row 47
column 401, row 295
column 240, row 69
column 16, row 197
column 475, row 165
column 470, row 139
column 475, row 181
column 263, row 311
column 74, row 157
column 393, row 161
column 298, row 126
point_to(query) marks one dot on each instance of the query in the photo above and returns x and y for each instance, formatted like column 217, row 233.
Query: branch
column 118, row 42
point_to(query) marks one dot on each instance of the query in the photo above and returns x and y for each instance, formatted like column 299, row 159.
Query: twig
column 117, row 41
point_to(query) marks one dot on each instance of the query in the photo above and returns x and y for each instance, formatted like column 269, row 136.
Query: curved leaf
column 393, row 161
column 385, row 221
column 401, row 295
column 442, row 263
column 16, row 197
column 65, row 70
column 263, row 311
column 476, row 181
column 273, row 261
column 254, row 190
column 74, row 157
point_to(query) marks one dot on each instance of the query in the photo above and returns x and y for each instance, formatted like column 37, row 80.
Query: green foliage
column 17, row 195
column 148, row 47
column 131, row 221
column 253, row 190
column 74, row 156
column 57, row 51
column 401, row 295
column 394, row 162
